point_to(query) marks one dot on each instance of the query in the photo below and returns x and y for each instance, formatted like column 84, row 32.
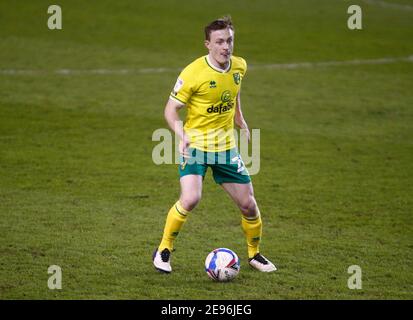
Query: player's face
column 220, row 46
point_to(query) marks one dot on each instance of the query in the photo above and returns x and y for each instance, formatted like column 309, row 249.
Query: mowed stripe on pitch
column 297, row 65
column 392, row 5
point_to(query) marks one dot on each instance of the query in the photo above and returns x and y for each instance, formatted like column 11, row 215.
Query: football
column 222, row 265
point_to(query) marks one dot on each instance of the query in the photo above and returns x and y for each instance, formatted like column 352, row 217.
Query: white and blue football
column 222, row 264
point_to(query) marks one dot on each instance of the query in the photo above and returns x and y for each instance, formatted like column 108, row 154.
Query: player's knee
column 248, row 206
column 190, row 201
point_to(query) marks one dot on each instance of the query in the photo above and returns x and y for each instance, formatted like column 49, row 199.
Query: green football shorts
column 227, row 166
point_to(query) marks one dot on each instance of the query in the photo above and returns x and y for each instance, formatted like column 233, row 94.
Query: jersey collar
column 208, row 61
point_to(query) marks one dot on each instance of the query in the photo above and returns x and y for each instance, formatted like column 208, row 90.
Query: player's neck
column 217, row 65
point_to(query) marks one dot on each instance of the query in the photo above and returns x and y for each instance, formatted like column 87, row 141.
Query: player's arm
column 239, row 118
column 171, row 114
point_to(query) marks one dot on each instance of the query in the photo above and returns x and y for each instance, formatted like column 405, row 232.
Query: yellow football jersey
column 210, row 95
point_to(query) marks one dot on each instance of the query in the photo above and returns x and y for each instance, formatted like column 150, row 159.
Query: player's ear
column 206, row 42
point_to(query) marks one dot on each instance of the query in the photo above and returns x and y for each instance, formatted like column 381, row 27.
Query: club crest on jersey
column 212, row 84
column 237, row 78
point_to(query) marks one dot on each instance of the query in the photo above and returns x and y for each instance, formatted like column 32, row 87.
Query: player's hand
column 183, row 147
column 246, row 131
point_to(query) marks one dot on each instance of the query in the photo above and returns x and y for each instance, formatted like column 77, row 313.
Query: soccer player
column 210, row 89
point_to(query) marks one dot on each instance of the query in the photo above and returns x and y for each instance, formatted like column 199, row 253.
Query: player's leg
column 191, row 190
column 243, row 195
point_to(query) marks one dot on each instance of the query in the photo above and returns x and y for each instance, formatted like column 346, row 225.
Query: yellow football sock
column 252, row 227
column 174, row 221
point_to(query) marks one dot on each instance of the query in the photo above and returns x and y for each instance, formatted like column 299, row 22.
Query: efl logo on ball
column 222, row 264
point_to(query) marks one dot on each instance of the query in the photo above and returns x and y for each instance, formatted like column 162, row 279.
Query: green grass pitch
column 78, row 187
